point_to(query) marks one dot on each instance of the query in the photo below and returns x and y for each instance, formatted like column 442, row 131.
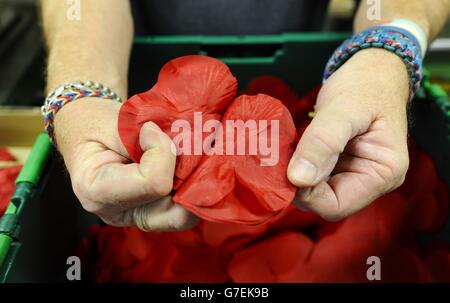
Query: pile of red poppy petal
column 291, row 246
column 8, row 175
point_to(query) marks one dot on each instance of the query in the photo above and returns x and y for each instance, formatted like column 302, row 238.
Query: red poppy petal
column 237, row 188
column 8, row 177
column 279, row 258
column 274, row 87
column 185, row 85
column 197, row 82
column 5, row 155
column 438, row 260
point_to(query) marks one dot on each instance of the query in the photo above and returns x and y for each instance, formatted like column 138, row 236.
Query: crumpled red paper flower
column 238, row 188
column 230, row 188
column 185, row 85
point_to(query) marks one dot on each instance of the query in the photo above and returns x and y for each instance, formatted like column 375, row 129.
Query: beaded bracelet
column 70, row 92
column 393, row 39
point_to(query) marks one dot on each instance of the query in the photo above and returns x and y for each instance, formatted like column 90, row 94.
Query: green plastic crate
column 53, row 222
column 297, row 58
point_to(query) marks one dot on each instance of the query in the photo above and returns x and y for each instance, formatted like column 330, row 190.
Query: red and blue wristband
column 394, row 39
column 67, row 93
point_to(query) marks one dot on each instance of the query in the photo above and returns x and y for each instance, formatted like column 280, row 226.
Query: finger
column 351, row 163
column 109, row 178
column 341, row 195
column 376, row 152
column 162, row 215
column 322, row 143
column 158, row 160
column 370, row 166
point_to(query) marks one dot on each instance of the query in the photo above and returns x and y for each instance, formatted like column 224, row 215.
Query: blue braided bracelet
column 393, row 39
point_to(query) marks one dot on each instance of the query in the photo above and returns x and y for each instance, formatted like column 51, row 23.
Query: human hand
column 355, row 148
column 106, row 183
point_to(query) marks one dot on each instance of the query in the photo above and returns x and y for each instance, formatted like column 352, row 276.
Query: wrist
column 84, row 120
column 390, row 38
column 383, row 71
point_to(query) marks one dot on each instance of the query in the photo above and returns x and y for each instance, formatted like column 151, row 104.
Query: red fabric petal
column 438, row 261
column 185, row 85
column 280, row 258
column 8, row 177
column 443, row 199
column 403, row 264
column 277, row 88
column 5, row 155
column 274, row 87
column 237, row 188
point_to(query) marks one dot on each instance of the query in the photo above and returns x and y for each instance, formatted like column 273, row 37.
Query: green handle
column 35, row 163
column 25, row 182
column 435, row 90
column 248, row 60
column 242, row 40
column 5, row 243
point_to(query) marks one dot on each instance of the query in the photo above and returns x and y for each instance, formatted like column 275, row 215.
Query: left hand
column 355, row 148
column 107, row 184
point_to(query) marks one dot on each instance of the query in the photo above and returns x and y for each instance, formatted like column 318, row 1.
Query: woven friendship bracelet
column 70, row 92
column 393, row 39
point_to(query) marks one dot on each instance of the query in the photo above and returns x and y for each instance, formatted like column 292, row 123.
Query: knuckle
column 79, row 188
column 84, row 192
column 91, row 207
column 81, row 191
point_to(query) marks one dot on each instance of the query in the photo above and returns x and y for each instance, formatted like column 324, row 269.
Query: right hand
column 104, row 179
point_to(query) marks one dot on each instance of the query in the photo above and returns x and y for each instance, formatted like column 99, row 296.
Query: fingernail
column 150, row 136
column 152, row 125
column 303, row 172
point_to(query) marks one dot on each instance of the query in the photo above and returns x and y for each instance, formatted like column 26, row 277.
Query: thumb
column 321, row 144
column 157, row 163
column 109, row 178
